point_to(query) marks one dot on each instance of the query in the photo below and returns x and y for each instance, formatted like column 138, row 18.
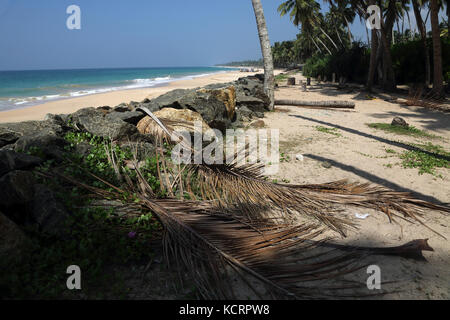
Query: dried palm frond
column 212, row 242
column 429, row 100
column 243, row 187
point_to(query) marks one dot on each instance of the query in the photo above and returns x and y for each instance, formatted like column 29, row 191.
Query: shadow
column 371, row 136
column 435, row 119
column 375, row 179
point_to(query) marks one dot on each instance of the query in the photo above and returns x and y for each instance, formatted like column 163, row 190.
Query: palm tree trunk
column 438, row 85
column 349, row 31
column 320, row 50
column 326, row 34
column 339, row 37
column 373, row 60
column 269, row 79
column 423, row 35
column 321, row 42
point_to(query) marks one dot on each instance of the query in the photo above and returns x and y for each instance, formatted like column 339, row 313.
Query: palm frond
column 243, row 187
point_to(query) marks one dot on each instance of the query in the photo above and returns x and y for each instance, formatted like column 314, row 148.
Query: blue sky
column 135, row 33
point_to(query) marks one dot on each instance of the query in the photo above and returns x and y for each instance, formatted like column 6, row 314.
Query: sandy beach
column 114, row 98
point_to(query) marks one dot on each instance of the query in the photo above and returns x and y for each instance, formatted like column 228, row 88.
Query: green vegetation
column 410, row 131
column 97, row 239
column 426, row 162
column 247, row 63
column 284, row 157
column 351, row 63
column 333, row 131
column 281, row 77
column 326, row 44
column 427, row 157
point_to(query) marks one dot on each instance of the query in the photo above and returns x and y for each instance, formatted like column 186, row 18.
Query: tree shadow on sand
column 371, row 136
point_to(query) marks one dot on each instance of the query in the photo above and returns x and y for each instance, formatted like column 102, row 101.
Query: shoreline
column 113, row 98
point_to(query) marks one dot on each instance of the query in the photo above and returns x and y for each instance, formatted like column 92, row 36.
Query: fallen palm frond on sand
column 429, row 100
column 225, row 183
column 270, row 236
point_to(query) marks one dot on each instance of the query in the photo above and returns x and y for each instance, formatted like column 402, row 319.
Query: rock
column 133, row 105
column 8, row 136
column 55, row 119
column 397, row 121
column 227, row 96
column 250, row 93
column 123, row 107
column 257, row 124
column 326, row 165
column 94, row 122
column 48, row 212
column 132, row 117
column 46, row 144
column 11, row 132
column 104, row 109
column 259, row 114
column 10, row 161
column 148, row 126
column 17, row 188
column 299, row 157
column 209, row 103
column 13, row 242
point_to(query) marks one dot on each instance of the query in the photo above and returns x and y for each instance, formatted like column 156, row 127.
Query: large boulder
column 11, row 132
column 184, row 117
column 47, row 145
column 48, row 212
column 8, row 136
column 13, row 242
column 95, row 122
column 132, row 117
column 215, row 105
column 17, row 188
column 10, row 161
column 227, row 95
column 250, row 93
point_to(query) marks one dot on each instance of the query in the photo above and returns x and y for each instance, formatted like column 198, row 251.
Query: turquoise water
column 26, row 88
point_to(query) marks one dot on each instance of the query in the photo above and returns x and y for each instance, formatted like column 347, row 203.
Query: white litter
column 362, row 216
column 299, row 157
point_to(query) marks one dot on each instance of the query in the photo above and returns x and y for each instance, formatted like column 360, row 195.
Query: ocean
column 20, row 89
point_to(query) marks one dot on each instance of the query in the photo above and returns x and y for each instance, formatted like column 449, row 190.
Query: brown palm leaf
column 243, row 187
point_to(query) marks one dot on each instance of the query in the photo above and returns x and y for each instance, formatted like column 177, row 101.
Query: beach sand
column 358, row 153
column 114, row 98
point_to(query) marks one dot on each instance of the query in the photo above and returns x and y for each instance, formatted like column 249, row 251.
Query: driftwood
column 327, row 104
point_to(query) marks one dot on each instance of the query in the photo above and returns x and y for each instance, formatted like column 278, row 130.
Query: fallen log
column 327, row 104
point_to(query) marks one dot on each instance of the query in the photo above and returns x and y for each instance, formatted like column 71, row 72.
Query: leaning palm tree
column 269, row 79
column 438, row 85
column 421, row 26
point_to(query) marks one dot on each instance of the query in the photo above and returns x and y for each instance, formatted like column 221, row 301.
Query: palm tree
column 438, row 85
column 269, row 79
column 307, row 14
column 423, row 34
column 344, row 13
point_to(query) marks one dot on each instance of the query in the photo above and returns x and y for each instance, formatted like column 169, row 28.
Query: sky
column 136, row 33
